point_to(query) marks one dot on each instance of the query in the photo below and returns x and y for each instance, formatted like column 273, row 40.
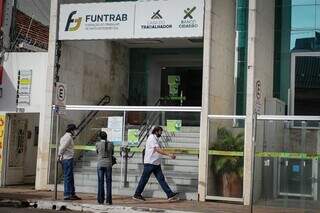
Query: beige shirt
column 66, row 147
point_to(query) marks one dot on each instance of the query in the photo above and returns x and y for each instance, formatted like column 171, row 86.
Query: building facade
column 234, row 83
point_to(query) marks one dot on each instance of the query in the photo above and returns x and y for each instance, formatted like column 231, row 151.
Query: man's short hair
column 156, row 129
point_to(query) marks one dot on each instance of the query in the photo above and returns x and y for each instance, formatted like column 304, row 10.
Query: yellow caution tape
column 191, row 151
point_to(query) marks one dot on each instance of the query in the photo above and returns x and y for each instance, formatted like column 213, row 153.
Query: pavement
column 26, row 196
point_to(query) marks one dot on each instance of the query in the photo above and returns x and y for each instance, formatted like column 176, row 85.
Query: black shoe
column 138, row 197
column 174, row 196
column 67, row 198
column 75, row 197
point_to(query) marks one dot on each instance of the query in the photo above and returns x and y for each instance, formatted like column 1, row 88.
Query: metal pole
column 125, row 151
column 56, row 157
column 253, row 161
column 125, row 182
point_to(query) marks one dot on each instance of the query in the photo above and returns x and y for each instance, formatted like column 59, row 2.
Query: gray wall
column 92, row 69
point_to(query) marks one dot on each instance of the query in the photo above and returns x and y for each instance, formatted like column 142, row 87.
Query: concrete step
column 152, row 185
column 185, row 140
column 183, row 144
column 175, row 168
column 92, row 156
column 136, row 160
column 133, row 172
column 130, row 191
column 190, row 180
column 185, row 135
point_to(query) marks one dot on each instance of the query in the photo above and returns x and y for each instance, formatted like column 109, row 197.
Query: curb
column 14, row 203
column 61, row 205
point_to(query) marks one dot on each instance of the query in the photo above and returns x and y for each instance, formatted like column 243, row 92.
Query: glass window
column 303, row 2
column 305, row 38
column 318, row 16
column 303, row 17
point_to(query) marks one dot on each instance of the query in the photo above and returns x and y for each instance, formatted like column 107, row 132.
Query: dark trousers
column 156, row 170
column 68, row 178
column 104, row 172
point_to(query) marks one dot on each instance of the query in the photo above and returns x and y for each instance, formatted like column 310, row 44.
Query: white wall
column 14, row 62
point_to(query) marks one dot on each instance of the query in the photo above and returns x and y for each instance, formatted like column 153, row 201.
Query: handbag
column 114, row 160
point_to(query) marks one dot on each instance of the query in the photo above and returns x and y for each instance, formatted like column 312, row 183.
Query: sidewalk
column 44, row 199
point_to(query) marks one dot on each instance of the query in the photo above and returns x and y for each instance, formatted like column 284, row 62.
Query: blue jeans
column 104, row 172
column 68, row 178
column 156, row 170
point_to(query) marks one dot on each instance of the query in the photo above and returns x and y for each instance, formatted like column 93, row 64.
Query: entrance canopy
column 132, row 20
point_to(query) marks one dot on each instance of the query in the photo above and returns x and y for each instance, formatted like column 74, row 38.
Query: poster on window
column 174, row 125
column 133, row 137
column 115, row 125
column 2, row 129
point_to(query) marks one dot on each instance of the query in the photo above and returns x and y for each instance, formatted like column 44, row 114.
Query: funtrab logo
column 73, row 24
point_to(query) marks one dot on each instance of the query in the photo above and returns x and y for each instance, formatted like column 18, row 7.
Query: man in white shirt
column 152, row 160
column 66, row 154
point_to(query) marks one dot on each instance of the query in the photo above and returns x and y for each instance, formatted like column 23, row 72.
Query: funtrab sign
column 126, row 20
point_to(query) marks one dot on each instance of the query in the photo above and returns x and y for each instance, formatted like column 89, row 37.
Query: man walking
column 66, row 154
column 152, row 157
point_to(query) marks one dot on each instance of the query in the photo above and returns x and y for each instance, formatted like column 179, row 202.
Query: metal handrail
column 288, row 117
column 269, row 117
column 83, row 124
column 131, row 108
column 146, row 126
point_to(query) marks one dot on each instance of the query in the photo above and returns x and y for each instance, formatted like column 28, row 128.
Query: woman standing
column 105, row 151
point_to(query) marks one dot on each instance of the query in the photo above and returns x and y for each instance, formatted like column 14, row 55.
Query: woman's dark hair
column 103, row 135
column 156, row 129
column 71, row 127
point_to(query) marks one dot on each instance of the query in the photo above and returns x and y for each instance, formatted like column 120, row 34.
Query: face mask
column 158, row 134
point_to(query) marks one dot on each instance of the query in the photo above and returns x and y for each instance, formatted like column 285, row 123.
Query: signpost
column 60, row 101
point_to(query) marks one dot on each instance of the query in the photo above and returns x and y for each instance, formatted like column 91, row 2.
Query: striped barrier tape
column 191, row 151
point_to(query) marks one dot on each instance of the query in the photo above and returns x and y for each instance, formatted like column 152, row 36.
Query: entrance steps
column 181, row 173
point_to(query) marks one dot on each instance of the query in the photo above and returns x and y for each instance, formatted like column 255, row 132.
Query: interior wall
column 92, row 69
column 156, row 62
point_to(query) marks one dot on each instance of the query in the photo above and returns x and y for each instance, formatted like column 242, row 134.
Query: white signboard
column 24, row 87
column 96, row 21
column 167, row 19
column 61, row 94
column 115, row 124
column 127, row 20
